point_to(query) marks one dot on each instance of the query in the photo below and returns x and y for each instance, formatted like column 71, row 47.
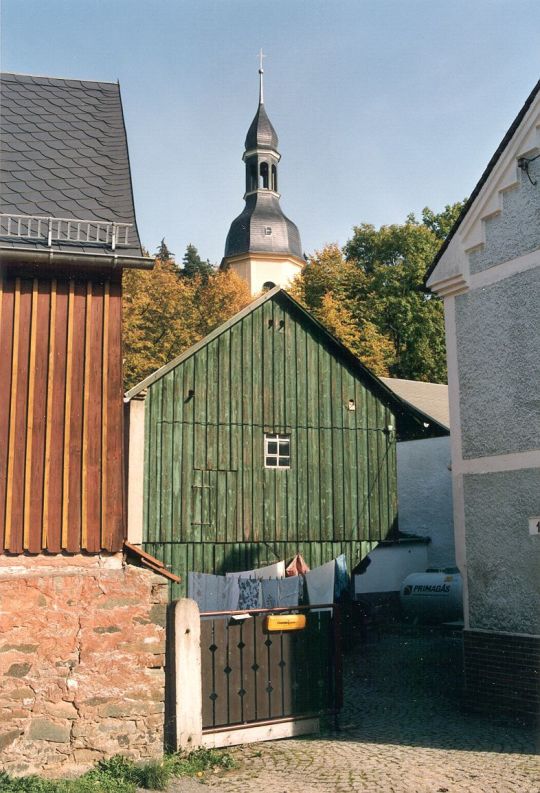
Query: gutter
column 53, row 257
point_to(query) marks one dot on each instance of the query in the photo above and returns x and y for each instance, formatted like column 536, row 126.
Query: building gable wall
column 515, row 230
column 205, row 480
column 489, row 276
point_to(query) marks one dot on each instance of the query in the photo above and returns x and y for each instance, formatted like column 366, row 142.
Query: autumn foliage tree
column 325, row 288
column 165, row 313
column 372, row 295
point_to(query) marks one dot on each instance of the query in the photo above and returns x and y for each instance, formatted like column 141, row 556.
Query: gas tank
column 432, row 597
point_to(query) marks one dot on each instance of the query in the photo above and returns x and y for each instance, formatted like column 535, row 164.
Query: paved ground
column 401, row 732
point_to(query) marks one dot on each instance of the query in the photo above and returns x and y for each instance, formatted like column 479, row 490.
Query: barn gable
column 205, row 490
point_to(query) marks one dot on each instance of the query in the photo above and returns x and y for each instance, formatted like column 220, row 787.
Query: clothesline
column 269, row 586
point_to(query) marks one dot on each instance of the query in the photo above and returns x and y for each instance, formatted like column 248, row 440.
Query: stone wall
column 82, row 657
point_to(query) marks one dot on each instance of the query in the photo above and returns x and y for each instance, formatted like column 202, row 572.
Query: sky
column 382, row 107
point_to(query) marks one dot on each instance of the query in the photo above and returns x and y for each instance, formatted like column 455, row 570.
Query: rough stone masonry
column 82, row 661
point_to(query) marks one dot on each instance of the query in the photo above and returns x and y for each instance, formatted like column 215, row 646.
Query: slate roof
column 64, row 154
column 261, row 134
column 430, row 398
column 247, row 231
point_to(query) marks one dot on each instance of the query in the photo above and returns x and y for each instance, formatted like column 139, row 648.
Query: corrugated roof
column 430, row 398
column 64, row 154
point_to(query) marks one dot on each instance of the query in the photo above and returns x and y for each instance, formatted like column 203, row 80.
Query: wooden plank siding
column 61, row 480
column 211, row 505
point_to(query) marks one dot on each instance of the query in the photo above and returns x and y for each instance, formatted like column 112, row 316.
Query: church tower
column 263, row 245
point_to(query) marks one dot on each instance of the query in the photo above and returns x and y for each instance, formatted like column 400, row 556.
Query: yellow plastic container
column 285, row 622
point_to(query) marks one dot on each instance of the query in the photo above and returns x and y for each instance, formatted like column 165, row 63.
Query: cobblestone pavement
column 402, row 731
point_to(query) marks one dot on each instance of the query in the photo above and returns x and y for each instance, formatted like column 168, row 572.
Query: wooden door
column 214, row 503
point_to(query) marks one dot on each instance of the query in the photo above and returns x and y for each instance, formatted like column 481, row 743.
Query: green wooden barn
column 265, row 439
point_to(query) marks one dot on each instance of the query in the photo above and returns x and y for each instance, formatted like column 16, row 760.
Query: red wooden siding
column 60, row 415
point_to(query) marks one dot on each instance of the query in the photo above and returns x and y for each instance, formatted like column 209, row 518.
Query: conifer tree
column 193, row 265
column 163, row 253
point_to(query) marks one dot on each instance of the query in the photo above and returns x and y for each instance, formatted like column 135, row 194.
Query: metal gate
column 251, row 675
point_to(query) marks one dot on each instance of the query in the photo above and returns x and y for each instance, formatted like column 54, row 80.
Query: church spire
column 261, row 77
column 263, row 245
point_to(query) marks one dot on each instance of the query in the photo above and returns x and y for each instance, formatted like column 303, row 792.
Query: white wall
column 258, row 270
column 425, row 496
column 390, row 564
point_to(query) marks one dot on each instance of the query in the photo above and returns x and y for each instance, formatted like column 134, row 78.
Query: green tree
column 193, row 265
column 441, row 223
column 163, row 253
column 325, row 287
column 378, row 287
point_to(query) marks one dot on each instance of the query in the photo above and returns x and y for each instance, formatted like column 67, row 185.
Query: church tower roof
column 261, row 134
column 262, row 227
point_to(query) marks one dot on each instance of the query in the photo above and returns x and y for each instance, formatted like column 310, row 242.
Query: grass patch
column 199, row 761
column 121, row 775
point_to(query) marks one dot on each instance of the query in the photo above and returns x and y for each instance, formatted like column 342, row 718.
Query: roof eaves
column 31, row 256
column 129, row 170
column 483, row 179
column 438, row 421
column 427, row 418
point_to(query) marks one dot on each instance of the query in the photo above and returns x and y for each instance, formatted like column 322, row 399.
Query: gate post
column 188, row 676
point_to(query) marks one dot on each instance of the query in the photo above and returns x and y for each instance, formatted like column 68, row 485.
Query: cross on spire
column 261, row 72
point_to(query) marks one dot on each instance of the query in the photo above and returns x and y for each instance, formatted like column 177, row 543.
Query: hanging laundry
column 342, row 582
column 289, row 591
column 276, row 570
column 242, row 574
column 233, row 593
column 212, row 592
column 297, row 566
column 320, row 583
column 235, row 579
column 281, row 592
column 250, row 594
column 270, row 593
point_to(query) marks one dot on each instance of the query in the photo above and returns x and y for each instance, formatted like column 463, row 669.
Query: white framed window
column 277, row 451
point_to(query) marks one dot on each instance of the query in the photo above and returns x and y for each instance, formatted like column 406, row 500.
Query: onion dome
column 261, row 134
column 262, row 227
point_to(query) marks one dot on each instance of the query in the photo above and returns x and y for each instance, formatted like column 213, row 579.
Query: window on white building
column 277, row 451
